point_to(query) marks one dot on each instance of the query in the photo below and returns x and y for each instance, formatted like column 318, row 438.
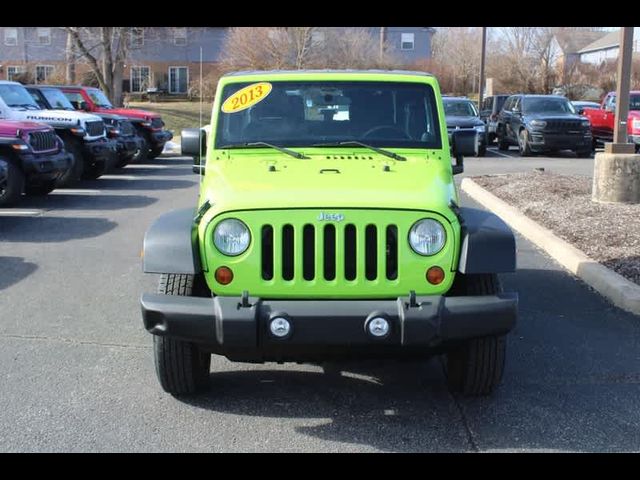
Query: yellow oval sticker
column 246, row 97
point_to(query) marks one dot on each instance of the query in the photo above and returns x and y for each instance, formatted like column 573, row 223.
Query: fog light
column 280, row 327
column 378, row 327
column 435, row 275
column 224, row 275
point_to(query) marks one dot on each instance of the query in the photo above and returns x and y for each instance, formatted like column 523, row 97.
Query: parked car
column 149, row 125
column 602, row 119
column 328, row 226
column 32, row 158
column 543, row 123
column 580, row 105
column 119, row 129
column 491, row 107
column 461, row 113
column 83, row 134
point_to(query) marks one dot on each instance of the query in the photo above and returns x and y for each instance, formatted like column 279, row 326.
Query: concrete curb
column 620, row 291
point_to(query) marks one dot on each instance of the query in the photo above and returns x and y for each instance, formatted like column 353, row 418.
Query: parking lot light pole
column 482, row 56
column 620, row 144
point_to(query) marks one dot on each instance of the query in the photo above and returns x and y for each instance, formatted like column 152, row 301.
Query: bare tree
column 456, row 56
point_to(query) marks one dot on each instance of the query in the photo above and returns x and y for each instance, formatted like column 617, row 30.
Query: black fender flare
column 171, row 245
column 487, row 243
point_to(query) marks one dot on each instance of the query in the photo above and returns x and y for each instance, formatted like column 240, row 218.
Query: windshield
column 547, row 105
column 57, row 99
column 16, row 96
column 457, row 108
column 99, row 98
column 308, row 113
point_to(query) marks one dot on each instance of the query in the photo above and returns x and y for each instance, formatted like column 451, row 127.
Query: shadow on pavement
column 87, row 202
column 394, row 406
column 52, row 229
column 166, row 171
column 138, row 184
column 14, row 270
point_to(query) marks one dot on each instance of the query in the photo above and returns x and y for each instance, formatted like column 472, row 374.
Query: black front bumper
column 326, row 328
column 41, row 167
column 159, row 138
column 542, row 141
column 101, row 151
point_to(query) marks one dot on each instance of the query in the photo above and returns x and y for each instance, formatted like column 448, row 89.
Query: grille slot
column 95, row 129
column 267, row 252
column 329, row 252
column 287, row 252
column 371, row 252
column 43, row 141
column 308, row 252
column 391, row 252
column 350, row 252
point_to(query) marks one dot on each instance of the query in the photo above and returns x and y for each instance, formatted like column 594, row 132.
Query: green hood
column 265, row 180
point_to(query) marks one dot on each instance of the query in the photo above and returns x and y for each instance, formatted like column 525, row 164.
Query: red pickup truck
column 602, row 119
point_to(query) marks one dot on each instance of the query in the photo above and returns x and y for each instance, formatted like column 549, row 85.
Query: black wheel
column 503, row 144
column 482, row 151
column 95, row 170
column 491, row 138
column 155, row 152
column 182, row 367
column 142, row 154
column 476, row 366
column 584, row 153
column 72, row 176
column 40, row 189
column 523, row 143
column 12, row 184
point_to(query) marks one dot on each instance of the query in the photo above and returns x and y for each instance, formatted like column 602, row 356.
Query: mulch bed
column 608, row 233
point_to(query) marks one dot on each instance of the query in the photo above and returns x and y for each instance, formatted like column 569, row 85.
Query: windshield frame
column 27, row 96
column 58, row 93
column 525, row 108
column 97, row 96
column 431, row 104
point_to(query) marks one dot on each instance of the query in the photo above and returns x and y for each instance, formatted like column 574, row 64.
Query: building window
column 44, row 35
column 137, row 37
column 14, row 71
column 140, row 79
column 43, row 72
column 11, row 36
column 407, row 41
column 180, row 36
column 178, row 79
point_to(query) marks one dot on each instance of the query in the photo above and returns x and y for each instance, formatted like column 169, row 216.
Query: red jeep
column 149, row 124
column 32, row 158
column 603, row 119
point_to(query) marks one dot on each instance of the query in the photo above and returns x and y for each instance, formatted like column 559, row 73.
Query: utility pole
column 482, row 55
column 383, row 38
column 619, row 144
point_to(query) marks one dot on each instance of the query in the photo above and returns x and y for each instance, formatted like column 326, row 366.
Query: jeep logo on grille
column 330, row 217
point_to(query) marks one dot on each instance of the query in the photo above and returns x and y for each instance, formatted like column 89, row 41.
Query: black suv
column 461, row 113
column 489, row 111
column 543, row 123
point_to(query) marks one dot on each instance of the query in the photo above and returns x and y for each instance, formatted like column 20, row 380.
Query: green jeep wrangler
column 328, row 228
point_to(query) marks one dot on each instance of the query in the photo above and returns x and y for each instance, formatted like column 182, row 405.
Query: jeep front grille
column 95, row 129
column 43, row 141
column 329, row 251
column 126, row 128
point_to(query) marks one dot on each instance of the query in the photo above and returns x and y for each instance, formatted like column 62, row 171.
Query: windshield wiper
column 26, row 106
column 265, row 144
column 352, row 143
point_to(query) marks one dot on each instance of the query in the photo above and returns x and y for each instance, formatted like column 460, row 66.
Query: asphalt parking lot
column 76, row 366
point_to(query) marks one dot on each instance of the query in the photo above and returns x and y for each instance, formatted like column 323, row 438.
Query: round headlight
column 427, row 237
column 231, row 237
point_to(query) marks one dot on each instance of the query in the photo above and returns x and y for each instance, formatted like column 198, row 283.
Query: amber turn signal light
column 224, row 275
column 435, row 275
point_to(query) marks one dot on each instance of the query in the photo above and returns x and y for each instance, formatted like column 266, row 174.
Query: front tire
column 182, row 367
column 12, row 186
column 584, row 153
column 155, row 152
column 523, row 143
column 40, row 189
column 142, row 154
column 475, row 367
column 72, row 176
column 503, row 144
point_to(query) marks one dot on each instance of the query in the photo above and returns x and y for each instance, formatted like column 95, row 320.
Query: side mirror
column 194, row 144
column 463, row 143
